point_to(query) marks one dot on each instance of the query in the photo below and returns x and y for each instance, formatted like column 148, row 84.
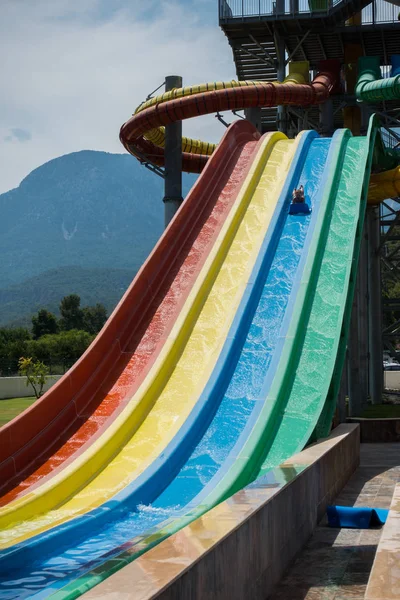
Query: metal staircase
column 257, row 60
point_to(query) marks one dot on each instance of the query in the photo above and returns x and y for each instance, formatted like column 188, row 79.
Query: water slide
column 81, row 406
column 56, row 447
column 244, row 375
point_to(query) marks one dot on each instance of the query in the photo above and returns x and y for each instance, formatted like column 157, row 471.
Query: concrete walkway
column 335, row 564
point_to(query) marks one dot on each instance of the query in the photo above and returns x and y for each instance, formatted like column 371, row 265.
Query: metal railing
column 390, row 138
column 375, row 13
column 241, row 9
column 390, row 131
column 379, row 12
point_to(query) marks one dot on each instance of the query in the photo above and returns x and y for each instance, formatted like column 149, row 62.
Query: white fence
column 392, row 380
column 15, row 387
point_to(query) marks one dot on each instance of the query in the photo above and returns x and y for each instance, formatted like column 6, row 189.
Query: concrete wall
column 374, row 431
column 15, row 387
column 241, row 548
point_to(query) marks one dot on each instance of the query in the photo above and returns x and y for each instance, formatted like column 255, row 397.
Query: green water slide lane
column 319, row 351
column 378, row 156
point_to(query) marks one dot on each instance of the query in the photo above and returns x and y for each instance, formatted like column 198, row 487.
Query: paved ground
column 335, row 564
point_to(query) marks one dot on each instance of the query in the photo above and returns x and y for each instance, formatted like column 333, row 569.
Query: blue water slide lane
column 314, row 177
column 261, row 313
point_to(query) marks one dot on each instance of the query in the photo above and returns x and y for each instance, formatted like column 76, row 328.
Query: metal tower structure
column 265, row 35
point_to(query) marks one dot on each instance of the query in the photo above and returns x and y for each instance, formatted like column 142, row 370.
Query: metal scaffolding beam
column 362, row 290
column 355, row 400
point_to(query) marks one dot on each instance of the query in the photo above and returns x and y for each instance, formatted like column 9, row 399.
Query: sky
column 73, row 71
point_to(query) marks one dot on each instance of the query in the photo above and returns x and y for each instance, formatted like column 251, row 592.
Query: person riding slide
column 298, row 195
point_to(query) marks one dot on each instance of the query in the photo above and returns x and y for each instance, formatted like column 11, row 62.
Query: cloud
column 21, row 135
column 75, row 71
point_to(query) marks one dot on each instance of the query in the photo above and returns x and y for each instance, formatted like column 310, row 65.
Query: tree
column 35, row 373
column 70, row 345
column 44, row 323
column 17, row 334
column 94, row 318
column 44, row 349
column 59, row 349
column 71, row 313
column 13, row 344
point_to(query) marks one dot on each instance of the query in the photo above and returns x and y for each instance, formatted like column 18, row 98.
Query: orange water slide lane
column 67, row 419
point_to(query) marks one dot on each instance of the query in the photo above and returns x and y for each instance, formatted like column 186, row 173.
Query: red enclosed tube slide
column 257, row 94
column 78, row 408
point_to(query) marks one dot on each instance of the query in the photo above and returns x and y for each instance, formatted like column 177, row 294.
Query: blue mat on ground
column 358, row 517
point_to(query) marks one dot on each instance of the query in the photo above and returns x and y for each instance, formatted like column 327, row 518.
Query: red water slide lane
column 255, row 94
column 66, row 420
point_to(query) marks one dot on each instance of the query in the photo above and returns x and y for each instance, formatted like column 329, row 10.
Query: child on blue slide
column 298, row 195
column 299, row 206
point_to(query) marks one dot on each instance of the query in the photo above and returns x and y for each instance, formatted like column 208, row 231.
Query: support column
column 352, row 114
column 363, row 317
column 326, row 118
column 281, row 74
column 354, row 362
column 253, row 115
column 173, row 159
column 365, row 116
column 341, row 400
column 375, row 306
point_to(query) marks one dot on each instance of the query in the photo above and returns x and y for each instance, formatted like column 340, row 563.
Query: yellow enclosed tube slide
column 384, row 185
column 171, row 389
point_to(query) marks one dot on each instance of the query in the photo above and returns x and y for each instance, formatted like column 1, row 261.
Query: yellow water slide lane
column 171, row 389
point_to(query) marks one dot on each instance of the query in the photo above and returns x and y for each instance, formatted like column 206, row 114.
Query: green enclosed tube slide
column 371, row 87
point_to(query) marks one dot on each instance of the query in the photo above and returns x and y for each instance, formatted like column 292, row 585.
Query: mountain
column 88, row 209
column 82, row 223
column 20, row 301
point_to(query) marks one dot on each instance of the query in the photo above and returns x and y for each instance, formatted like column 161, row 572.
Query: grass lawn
column 12, row 407
column 381, row 411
